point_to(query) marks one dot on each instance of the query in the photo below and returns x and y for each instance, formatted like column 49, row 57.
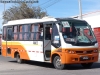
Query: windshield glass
column 79, row 32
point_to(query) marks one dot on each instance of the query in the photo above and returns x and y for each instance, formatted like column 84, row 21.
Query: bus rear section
column 75, row 44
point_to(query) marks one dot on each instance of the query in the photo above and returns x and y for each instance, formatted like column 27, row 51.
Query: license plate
column 85, row 58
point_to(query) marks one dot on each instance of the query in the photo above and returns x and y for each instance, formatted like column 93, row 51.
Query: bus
column 58, row 41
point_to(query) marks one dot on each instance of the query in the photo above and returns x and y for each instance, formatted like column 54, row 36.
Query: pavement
column 8, row 66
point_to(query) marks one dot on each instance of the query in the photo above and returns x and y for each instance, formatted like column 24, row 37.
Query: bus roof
column 29, row 21
column 70, row 19
column 44, row 19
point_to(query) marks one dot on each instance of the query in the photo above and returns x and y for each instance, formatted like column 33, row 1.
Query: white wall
column 94, row 21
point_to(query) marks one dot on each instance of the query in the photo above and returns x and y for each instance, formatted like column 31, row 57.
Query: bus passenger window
column 20, row 34
column 9, row 34
column 4, row 33
column 32, row 30
column 15, row 33
column 41, row 32
column 36, row 31
column 26, row 32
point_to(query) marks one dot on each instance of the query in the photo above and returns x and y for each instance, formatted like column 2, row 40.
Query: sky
column 60, row 8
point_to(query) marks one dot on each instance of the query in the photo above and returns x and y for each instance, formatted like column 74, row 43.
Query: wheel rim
column 58, row 63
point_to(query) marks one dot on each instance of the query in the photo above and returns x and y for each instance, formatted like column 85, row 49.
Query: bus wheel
column 57, row 63
column 18, row 59
column 86, row 65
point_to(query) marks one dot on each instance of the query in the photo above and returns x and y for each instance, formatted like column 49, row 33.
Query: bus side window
column 15, row 33
column 9, row 34
column 26, row 32
column 35, row 31
column 4, row 33
column 32, row 30
column 41, row 32
column 20, row 32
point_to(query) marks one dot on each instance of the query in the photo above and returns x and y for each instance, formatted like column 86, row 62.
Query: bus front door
column 47, row 41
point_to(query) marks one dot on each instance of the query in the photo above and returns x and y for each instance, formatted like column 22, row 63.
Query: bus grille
column 84, row 52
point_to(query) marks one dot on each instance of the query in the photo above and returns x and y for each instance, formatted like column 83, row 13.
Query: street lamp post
column 4, row 8
column 80, row 8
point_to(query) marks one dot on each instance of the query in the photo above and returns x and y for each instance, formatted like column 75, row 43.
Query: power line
column 44, row 2
column 52, row 4
column 49, row 4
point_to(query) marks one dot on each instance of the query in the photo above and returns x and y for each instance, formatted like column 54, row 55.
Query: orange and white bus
column 59, row 41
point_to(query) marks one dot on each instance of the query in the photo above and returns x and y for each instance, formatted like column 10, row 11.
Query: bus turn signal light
column 95, row 51
column 71, row 52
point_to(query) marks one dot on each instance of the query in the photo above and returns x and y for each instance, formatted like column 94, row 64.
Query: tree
column 23, row 11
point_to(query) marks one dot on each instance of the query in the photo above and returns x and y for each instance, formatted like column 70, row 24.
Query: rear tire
column 18, row 59
column 87, row 65
column 57, row 63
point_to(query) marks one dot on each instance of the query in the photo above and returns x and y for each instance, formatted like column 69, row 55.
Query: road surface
column 8, row 66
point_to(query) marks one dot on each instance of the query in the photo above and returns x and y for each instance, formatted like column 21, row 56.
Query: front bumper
column 81, row 58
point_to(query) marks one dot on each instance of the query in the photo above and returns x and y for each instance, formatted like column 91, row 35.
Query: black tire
column 87, row 65
column 18, row 59
column 57, row 63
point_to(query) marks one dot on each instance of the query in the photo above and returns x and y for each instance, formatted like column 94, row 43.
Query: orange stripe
column 18, row 46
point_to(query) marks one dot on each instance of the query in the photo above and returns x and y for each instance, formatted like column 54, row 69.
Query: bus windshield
column 77, row 32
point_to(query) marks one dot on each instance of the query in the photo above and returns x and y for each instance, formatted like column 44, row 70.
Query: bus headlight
column 71, row 52
column 95, row 51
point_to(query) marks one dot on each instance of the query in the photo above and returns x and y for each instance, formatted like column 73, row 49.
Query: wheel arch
column 15, row 54
column 54, row 55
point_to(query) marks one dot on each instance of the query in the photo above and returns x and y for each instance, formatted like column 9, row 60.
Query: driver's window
column 55, row 37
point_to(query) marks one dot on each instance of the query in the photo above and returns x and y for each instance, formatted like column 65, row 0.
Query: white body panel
column 34, row 51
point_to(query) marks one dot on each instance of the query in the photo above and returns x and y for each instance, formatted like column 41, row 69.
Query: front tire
column 57, row 63
column 18, row 59
column 87, row 65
